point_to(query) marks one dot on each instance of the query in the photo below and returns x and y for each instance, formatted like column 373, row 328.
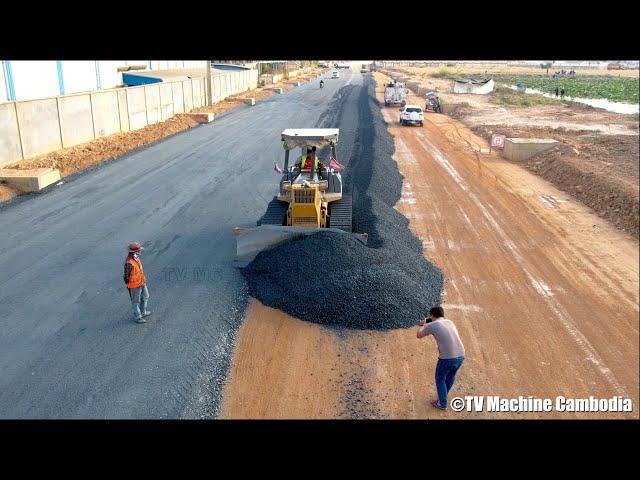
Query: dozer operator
column 309, row 161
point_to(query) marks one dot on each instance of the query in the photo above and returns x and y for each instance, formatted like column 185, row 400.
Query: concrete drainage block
column 278, row 90
column 250, row 101
column 523, row 148
column 30, row 180
column 202, row 117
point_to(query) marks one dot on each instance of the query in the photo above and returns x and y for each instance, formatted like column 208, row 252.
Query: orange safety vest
column 137, row 275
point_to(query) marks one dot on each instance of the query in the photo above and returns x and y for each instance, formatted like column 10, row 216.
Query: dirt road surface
column 544, row 294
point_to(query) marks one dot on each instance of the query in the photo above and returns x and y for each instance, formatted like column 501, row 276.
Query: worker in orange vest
column 310, row 160
column 136, row 283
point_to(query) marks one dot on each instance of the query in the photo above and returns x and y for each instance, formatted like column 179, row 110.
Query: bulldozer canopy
column 309, row 137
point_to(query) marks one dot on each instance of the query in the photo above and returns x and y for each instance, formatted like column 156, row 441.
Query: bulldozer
column 309, row 200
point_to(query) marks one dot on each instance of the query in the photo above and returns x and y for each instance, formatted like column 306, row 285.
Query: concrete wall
column 10, row 138
column 35, row 127
column 106, row 114
column 136, row 108
column 39, row 124
column 76, row 120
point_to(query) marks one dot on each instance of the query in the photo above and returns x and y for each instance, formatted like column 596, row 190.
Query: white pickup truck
column 395, row 94
column 411, row 114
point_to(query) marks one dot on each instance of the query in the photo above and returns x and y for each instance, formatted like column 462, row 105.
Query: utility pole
column 209, row 90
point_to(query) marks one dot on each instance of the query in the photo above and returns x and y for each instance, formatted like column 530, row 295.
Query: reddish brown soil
column 599, row 170
column 525, row 266
column 80, row 157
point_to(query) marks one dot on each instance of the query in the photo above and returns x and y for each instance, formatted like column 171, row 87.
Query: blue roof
column 132, row 80
column 227, row 66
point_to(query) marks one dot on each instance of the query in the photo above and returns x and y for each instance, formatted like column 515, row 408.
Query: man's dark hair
column 313, row 148
column 437, row 312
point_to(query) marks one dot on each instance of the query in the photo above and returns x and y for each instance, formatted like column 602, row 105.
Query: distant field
column 457, row 69
column 617, row 89
column 614, row 85
column 505, row 96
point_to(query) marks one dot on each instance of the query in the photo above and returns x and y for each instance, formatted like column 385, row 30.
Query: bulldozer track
column 341, row 214
column 275, row 213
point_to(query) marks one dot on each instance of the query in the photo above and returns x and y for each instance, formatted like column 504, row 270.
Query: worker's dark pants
column 139, row 299
column 446, row 370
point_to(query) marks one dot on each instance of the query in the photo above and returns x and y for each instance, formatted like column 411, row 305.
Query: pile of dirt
column 601, row 171
column 80, row 157
column 333, row 279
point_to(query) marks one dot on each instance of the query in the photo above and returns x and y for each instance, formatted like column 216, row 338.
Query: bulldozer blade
column 251, row 241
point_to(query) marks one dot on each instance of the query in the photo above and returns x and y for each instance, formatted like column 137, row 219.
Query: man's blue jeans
column 139, row 299
column 446, row 370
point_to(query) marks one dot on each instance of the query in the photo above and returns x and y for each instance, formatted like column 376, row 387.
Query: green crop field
column 504, row 96
column 616, row 89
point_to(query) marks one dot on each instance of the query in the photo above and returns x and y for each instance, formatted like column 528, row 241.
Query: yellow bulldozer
column 309, row 200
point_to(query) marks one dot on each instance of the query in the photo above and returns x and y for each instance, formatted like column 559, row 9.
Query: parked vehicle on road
column 395, row 94
column 335, row 74
column 411, row 115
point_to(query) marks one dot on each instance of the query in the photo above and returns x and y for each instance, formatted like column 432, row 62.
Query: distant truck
column 395, row 94
column 343, row 65
column 364, row 68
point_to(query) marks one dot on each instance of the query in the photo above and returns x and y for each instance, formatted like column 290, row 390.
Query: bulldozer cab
column 303, row 138
column 327, row 181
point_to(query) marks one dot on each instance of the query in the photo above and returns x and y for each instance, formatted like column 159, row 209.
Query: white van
column 335, row 74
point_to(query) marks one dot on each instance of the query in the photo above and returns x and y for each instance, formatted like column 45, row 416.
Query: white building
column 31, row 79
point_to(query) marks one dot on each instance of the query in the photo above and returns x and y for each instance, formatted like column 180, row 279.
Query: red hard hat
column 135, row 247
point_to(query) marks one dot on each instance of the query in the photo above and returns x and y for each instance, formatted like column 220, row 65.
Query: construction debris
column 472, row 85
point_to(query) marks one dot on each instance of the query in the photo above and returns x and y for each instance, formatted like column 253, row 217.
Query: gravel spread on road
column 333, row 279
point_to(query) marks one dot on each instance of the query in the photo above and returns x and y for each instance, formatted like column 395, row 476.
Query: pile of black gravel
column 333, row 279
